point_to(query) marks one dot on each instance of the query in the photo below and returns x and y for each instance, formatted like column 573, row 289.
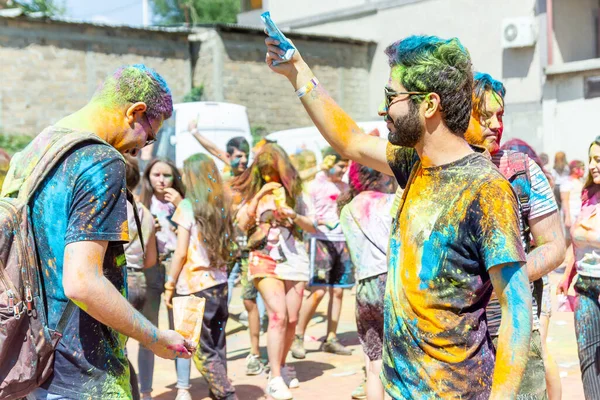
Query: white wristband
column 313, row 83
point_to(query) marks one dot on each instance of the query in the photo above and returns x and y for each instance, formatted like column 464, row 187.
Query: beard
column 408, row 129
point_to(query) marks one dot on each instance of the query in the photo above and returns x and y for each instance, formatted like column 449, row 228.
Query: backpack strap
column 53, row 154
column 65, row 316
column 514, row 166
column 519, row 165
column 138, row 222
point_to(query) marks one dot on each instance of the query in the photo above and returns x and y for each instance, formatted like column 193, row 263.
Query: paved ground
column 329, row 377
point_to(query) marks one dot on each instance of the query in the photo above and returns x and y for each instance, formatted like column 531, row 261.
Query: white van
column 218, row 122
column 296, row 140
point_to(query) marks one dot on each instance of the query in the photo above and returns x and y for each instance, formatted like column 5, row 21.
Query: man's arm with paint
column 336, row 126
column 511, row 285
column 85, row 284
column 550, row 246
column 570, row 272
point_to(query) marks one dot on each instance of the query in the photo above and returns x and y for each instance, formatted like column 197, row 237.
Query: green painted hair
column 434, row 65
column 137, row 83
column 482, row 83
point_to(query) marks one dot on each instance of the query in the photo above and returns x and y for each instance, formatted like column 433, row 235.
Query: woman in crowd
column 199, row 267
column 162, row 190
column 559, row 172
column 366, row 219
column 553, row 382
column 273, row 215
column 585, row 234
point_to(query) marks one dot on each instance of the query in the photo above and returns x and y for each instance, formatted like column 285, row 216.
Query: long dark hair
column 211, row 207
column 590, row 188
column 271, row 155
column 148, row 191
column 361, row 179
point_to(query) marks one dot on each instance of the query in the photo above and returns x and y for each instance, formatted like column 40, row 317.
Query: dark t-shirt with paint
column 84, row 199
column 458, row 221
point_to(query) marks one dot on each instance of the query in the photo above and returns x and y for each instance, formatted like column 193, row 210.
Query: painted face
column 595, row 163
column 161, row 177
column 336, row 173
column 579, row 172
column 402, row 117
column 144, row 132
column 270, row 175
column 239, row 161
column 486, row 130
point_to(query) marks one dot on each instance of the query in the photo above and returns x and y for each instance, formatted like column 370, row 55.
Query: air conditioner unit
column 518, row 32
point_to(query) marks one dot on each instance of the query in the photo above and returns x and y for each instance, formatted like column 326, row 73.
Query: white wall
column 478, row 28
column 286, row 10
column 574, row 30
column 570, row 121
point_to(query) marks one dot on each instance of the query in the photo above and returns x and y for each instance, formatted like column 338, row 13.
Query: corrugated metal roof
column 177, row 29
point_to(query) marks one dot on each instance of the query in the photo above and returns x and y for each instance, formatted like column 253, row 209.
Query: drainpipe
column 550, row 31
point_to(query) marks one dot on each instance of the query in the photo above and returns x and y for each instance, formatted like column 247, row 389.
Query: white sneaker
column 277, row 389
column 289, row 377
column 183, row 394
column 145, row 396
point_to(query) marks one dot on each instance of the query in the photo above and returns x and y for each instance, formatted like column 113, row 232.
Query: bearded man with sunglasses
column 456, row 233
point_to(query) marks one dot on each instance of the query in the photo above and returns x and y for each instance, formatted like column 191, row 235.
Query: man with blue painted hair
column 541, row 230
column 456, row 230
column 79, row 219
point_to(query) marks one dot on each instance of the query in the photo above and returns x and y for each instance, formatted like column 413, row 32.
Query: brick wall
column 343, row 68
column 51, row 69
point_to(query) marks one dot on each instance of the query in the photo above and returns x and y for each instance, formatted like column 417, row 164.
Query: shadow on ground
column 199, row 390
column 308, row 370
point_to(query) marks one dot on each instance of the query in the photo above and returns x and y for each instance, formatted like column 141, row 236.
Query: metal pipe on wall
column 550, row 31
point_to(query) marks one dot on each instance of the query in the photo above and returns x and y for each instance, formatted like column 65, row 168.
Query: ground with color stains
column 328, row 377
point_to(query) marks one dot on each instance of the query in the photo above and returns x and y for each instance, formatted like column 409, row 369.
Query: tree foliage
column 13, row 143
column 195, row 11
column 195, row 94
column 50, row 8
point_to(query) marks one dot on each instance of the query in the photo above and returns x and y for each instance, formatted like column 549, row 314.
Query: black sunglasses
column 390, row 94
column 150, row 141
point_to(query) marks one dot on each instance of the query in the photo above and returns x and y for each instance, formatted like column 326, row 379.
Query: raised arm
column 335, row 125
column 512, row 288
column 207, row 144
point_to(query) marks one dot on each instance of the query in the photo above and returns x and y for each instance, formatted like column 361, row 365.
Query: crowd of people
column 447, row 233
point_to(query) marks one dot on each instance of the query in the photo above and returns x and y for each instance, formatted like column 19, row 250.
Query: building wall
column 281, row 10
column 573, row 21
column 271, row 102
column 456, row 18
column 49, row 70
column 569, row 119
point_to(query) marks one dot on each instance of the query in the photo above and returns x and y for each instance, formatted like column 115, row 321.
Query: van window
column 163, row 147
